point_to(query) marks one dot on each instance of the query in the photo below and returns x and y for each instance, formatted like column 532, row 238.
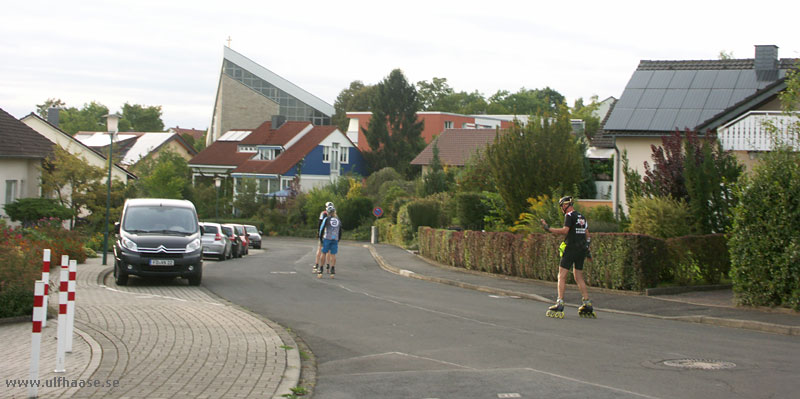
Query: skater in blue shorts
column 330, row 232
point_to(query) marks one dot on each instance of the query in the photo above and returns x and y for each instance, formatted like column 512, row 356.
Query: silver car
column 215, row 242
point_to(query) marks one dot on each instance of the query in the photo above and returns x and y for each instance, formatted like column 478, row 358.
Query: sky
column 169, row 53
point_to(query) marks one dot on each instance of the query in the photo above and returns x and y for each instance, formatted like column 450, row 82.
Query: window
column 11, row 191
column 344, row 155
column 448, row 124
column 247, row 148
column 326, row 154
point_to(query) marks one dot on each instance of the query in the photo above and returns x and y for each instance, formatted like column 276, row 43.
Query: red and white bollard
column 73, row 271
column 46, row 279
column 36, row 336
column 62, row 314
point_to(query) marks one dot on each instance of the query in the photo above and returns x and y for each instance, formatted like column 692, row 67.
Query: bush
column 355, row 212
column 376, row 180
column 765, row 237
column 470, row 210
column 697, row 259
column 422, row 213
column 601, row 219
column 29, row 210
column 659, row 217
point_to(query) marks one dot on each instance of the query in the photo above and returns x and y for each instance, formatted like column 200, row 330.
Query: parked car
column 237, row 245
column 215, row 242
column 254, row 235
column 242, row 233
column 158, row 237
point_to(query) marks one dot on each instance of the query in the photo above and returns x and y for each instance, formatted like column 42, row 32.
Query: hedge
column 620, row 260
column 698, row 258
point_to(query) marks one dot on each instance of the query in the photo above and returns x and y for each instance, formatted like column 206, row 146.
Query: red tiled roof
column 265, row 135
column 291, row 156
column 195, row 133
column 456, row 146
column 221, row 153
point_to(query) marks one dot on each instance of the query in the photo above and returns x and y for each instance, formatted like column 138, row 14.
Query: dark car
column 237, row 246
column 254, row 236
column 242, row 233
column 158, row 237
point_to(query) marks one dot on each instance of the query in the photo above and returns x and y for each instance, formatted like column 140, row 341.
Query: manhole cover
column 699, row 364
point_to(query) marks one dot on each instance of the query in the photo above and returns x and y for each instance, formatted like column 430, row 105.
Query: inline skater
column 575, row 251
column 322, row 216
column 331, row 233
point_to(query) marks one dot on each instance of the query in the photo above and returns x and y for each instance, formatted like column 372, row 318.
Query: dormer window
column 247, row 148
column 267, row 154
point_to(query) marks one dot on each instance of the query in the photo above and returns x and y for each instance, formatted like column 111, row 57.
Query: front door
column 334, row 161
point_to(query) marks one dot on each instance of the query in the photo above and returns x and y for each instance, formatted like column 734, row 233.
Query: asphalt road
column 379, row 335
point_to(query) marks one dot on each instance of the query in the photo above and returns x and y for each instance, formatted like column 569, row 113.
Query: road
column 379, row 335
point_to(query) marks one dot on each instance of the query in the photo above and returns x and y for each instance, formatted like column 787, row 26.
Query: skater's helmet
column 328, row 204
column 331, row 209
column 565, row 200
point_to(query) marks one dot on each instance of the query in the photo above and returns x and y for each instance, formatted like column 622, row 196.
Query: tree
column 526, row 102
column 394, row 134
column 431, row 94
column 90, row 118
column 357, row 97
column 435, row 181
column 41, row 109
column 71, row 180
column 665, row 179
column 138, row 118
column 167, row 176
column 535, row 160
column 247, row 201
column 586, row 113
column 476, row 175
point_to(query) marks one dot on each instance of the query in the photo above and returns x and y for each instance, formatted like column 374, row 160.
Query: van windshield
column 160, row 219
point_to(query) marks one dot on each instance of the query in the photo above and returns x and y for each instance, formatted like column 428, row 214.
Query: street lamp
column 112, row 122
column 217, row 183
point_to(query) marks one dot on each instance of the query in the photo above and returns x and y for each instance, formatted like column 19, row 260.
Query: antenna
column 229, row 42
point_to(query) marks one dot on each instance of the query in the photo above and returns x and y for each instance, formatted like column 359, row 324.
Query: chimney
column 766, row 62
column 277, row 121
column 52, row 116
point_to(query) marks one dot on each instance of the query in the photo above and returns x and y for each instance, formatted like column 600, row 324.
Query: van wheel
column 196, row 278
column 120, row 277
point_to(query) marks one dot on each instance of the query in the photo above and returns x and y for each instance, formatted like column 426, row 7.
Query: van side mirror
column 116, row 227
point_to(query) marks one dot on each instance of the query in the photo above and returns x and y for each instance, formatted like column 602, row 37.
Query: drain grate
column 699, row 364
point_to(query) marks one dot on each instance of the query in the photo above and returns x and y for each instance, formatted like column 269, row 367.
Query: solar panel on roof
column 639, row 80
column 618, row 120
column 687, row 118
column 673, row 98
column 718, row 99
column 704, row 80
column 695, row 98
column 630, row 98
column 682, row 79
column 641, row 119
column 651, row 98
column 664, row 119
column 726, row 79
column 660, row 79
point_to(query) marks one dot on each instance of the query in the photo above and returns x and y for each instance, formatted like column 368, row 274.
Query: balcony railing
column 759, row 130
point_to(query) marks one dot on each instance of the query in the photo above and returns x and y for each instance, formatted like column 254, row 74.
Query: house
column 22, row 151
column 191, row 136
column 132, row 147
column 435, row 123
column 76, row 148
column 723, row 96
column 277, row 152
column 455, row 147
column 249, row 94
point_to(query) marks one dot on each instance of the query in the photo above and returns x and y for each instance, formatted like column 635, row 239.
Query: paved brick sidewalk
column 159, row 340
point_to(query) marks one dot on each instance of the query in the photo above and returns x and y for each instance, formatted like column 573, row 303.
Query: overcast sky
column 169, row 53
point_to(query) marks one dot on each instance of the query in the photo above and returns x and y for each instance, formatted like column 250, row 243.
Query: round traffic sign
column 377, row 211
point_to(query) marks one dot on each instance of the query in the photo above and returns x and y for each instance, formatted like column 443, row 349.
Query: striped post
column 36, row 335
column 73, row 271
column 46, row 279
column 63, row 287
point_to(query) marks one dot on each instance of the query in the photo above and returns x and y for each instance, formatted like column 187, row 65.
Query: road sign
column 378, row 212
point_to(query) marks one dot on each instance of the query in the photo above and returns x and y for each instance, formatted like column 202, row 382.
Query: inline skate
column 586, row 310
column 557, row 310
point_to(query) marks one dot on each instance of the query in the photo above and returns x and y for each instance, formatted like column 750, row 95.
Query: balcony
column 758, row 130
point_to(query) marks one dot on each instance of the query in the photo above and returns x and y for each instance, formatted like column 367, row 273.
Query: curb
column 716, row 321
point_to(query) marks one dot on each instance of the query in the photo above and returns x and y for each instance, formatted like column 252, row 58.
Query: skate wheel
column 561, row 315
column 319, row 275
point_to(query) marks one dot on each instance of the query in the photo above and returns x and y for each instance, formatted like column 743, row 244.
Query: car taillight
column 218, row 237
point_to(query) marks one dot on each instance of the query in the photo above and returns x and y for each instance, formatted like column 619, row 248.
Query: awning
column 599, row 153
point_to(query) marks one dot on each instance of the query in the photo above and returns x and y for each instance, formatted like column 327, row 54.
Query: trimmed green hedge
column 621, row 261
column 698, row 258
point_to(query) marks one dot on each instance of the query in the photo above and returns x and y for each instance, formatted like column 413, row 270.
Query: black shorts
column 571, row 258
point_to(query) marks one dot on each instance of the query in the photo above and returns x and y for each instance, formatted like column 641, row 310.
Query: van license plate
column 162, row 262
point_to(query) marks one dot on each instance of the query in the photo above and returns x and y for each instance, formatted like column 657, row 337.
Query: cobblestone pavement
column 156, row 339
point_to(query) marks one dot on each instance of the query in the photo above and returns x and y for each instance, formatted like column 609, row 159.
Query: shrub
column 765, row 237
column 29, row 210
column 376, row 180
column 355, row 212
column 695, row 259
column 659, row 217
column 601, row 219
column 470, row 210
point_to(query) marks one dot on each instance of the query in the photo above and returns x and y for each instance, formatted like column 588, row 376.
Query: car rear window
column 227, row 230
column 251, row 229
column 210, row 229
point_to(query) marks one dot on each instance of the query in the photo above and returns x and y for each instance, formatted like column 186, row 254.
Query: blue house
column 277, row 152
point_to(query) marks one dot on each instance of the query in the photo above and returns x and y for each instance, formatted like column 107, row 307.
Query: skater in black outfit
column 331, row 232
column 576, row 251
